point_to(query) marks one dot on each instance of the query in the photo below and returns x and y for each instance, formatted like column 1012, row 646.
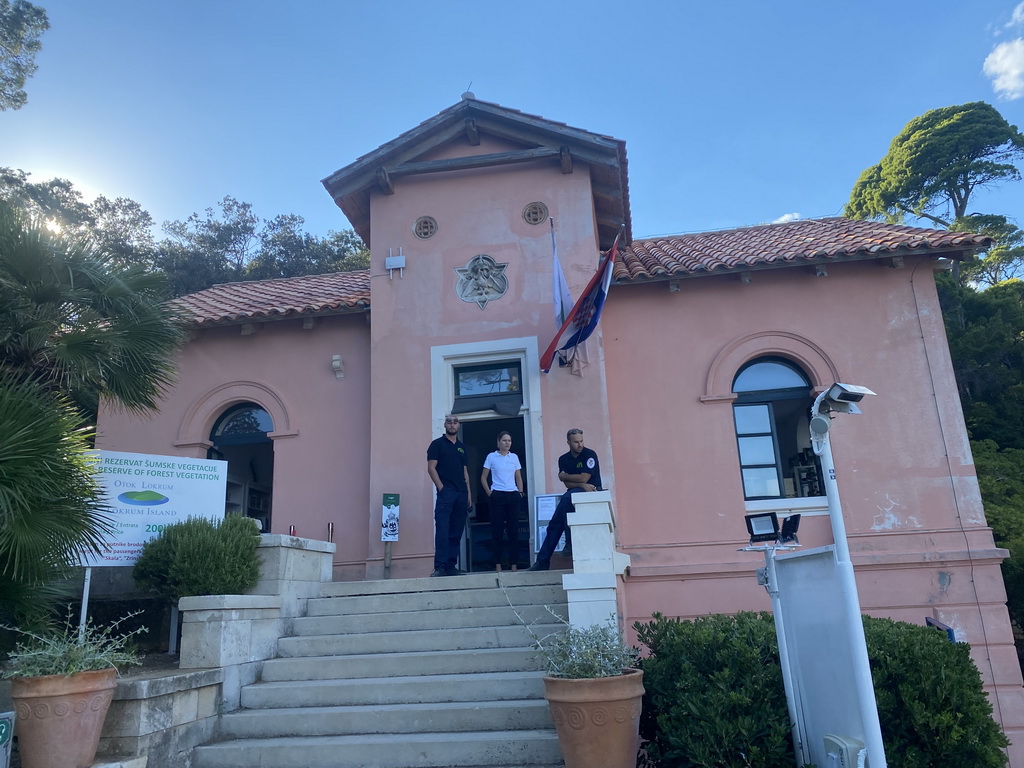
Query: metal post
column 83, row 616
column 855, row 625
column 172, row 637
column 792, row 695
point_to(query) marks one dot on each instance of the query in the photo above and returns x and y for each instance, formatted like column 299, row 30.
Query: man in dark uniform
column 447, row 468
column 579, row 470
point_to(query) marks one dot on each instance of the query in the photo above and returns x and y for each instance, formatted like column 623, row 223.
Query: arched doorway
column 240, row 437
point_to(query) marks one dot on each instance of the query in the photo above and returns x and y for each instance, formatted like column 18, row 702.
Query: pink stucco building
column 323, row 392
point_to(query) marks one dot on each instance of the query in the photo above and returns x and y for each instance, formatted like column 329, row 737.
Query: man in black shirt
column 448, row 470
column 580, row 471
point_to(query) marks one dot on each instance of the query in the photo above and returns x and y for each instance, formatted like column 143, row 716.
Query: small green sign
column 6, row 727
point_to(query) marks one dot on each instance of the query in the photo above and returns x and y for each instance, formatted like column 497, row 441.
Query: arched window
column 241, row 425
column 240, row 437
column 770, row 415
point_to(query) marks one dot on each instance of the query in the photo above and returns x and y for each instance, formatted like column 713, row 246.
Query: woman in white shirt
column 502, row 481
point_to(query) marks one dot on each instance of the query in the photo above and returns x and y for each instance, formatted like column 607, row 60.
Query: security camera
column 847, row 393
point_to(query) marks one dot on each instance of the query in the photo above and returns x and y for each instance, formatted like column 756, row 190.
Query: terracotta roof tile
column 277, row 299
column 807, row 240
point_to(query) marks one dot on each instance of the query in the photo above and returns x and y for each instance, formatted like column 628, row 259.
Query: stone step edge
column 359, row 708
column 458, row 677
column 296, row 742
column 482, row 580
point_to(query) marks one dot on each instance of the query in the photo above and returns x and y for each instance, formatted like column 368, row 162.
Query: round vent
column 535, row 213
column 424, row 227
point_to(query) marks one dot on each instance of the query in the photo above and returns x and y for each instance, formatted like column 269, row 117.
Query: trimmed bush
column 931, row 703
column 201, row 557
column 714, row 693
column 715, row 696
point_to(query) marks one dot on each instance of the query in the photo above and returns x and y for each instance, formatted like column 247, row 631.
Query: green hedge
column 201, row 557
column 715, row 696
column 714, row 693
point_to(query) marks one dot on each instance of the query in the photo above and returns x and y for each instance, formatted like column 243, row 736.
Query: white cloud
column 1005, row 65
column 1017, row 17
column 786, row 217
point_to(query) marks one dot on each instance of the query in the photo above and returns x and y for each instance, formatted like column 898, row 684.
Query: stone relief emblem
column 481, row 280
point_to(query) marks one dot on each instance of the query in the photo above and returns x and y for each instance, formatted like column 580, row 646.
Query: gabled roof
column 781, row 245
column 258, row 300
column 543, row 141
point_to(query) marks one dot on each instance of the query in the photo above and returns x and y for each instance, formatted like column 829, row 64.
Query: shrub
column 715, row 695
column 68, row 651
column 201, row 557
column 595, row 651
column 930, row 699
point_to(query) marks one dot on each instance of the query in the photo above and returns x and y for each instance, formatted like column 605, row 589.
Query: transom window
column 492, row 387
column 770, row 416
column 500, row 378
column 242, row 424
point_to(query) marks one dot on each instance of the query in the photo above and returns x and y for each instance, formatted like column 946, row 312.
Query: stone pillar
column 293, row 568
column 591, row 587
column 222, row 630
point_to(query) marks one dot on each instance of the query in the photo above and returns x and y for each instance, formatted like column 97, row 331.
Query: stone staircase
column 412, row 673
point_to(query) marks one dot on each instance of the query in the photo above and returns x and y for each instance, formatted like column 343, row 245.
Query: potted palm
column 595, row 692
column 62, row 683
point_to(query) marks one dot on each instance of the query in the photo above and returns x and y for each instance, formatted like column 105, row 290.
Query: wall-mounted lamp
column 338, row 366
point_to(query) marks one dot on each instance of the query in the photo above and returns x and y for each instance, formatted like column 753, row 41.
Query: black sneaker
column 453, row 571
column 540, row 566
column 439, row 572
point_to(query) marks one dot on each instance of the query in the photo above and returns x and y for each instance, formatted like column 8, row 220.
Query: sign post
column 391, row 511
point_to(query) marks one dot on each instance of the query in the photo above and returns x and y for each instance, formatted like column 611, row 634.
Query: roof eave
column 277, row 316
column 959, row 253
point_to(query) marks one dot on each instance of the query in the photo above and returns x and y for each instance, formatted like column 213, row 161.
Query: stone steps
column 532, row 748
column 427, row 687
column 399, row 664
column 403, row 718
column 415, row 673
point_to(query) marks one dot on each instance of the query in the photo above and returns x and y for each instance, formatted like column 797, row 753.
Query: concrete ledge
column 163, row 717
column 228, row 602
column 164, row 684
column 296, row 542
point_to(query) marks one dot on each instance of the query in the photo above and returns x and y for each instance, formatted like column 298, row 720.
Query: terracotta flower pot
column 597, row 719
column 59, row 718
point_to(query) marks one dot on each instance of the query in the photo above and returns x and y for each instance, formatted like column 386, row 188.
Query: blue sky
column 734, row 112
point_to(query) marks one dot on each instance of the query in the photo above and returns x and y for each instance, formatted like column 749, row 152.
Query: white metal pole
column 855, row 625
column 83, row 616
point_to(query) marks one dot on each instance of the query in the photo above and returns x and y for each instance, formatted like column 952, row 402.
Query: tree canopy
column 225, row 243
column 936, row 162
column 21, row 26
column 75, row 327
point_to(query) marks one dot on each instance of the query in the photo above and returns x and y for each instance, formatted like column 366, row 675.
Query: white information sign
column 543, row 510
column 389, row 517
column 146, row 492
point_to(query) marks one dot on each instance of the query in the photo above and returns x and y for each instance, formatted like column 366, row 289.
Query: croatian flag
column 583, row 317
